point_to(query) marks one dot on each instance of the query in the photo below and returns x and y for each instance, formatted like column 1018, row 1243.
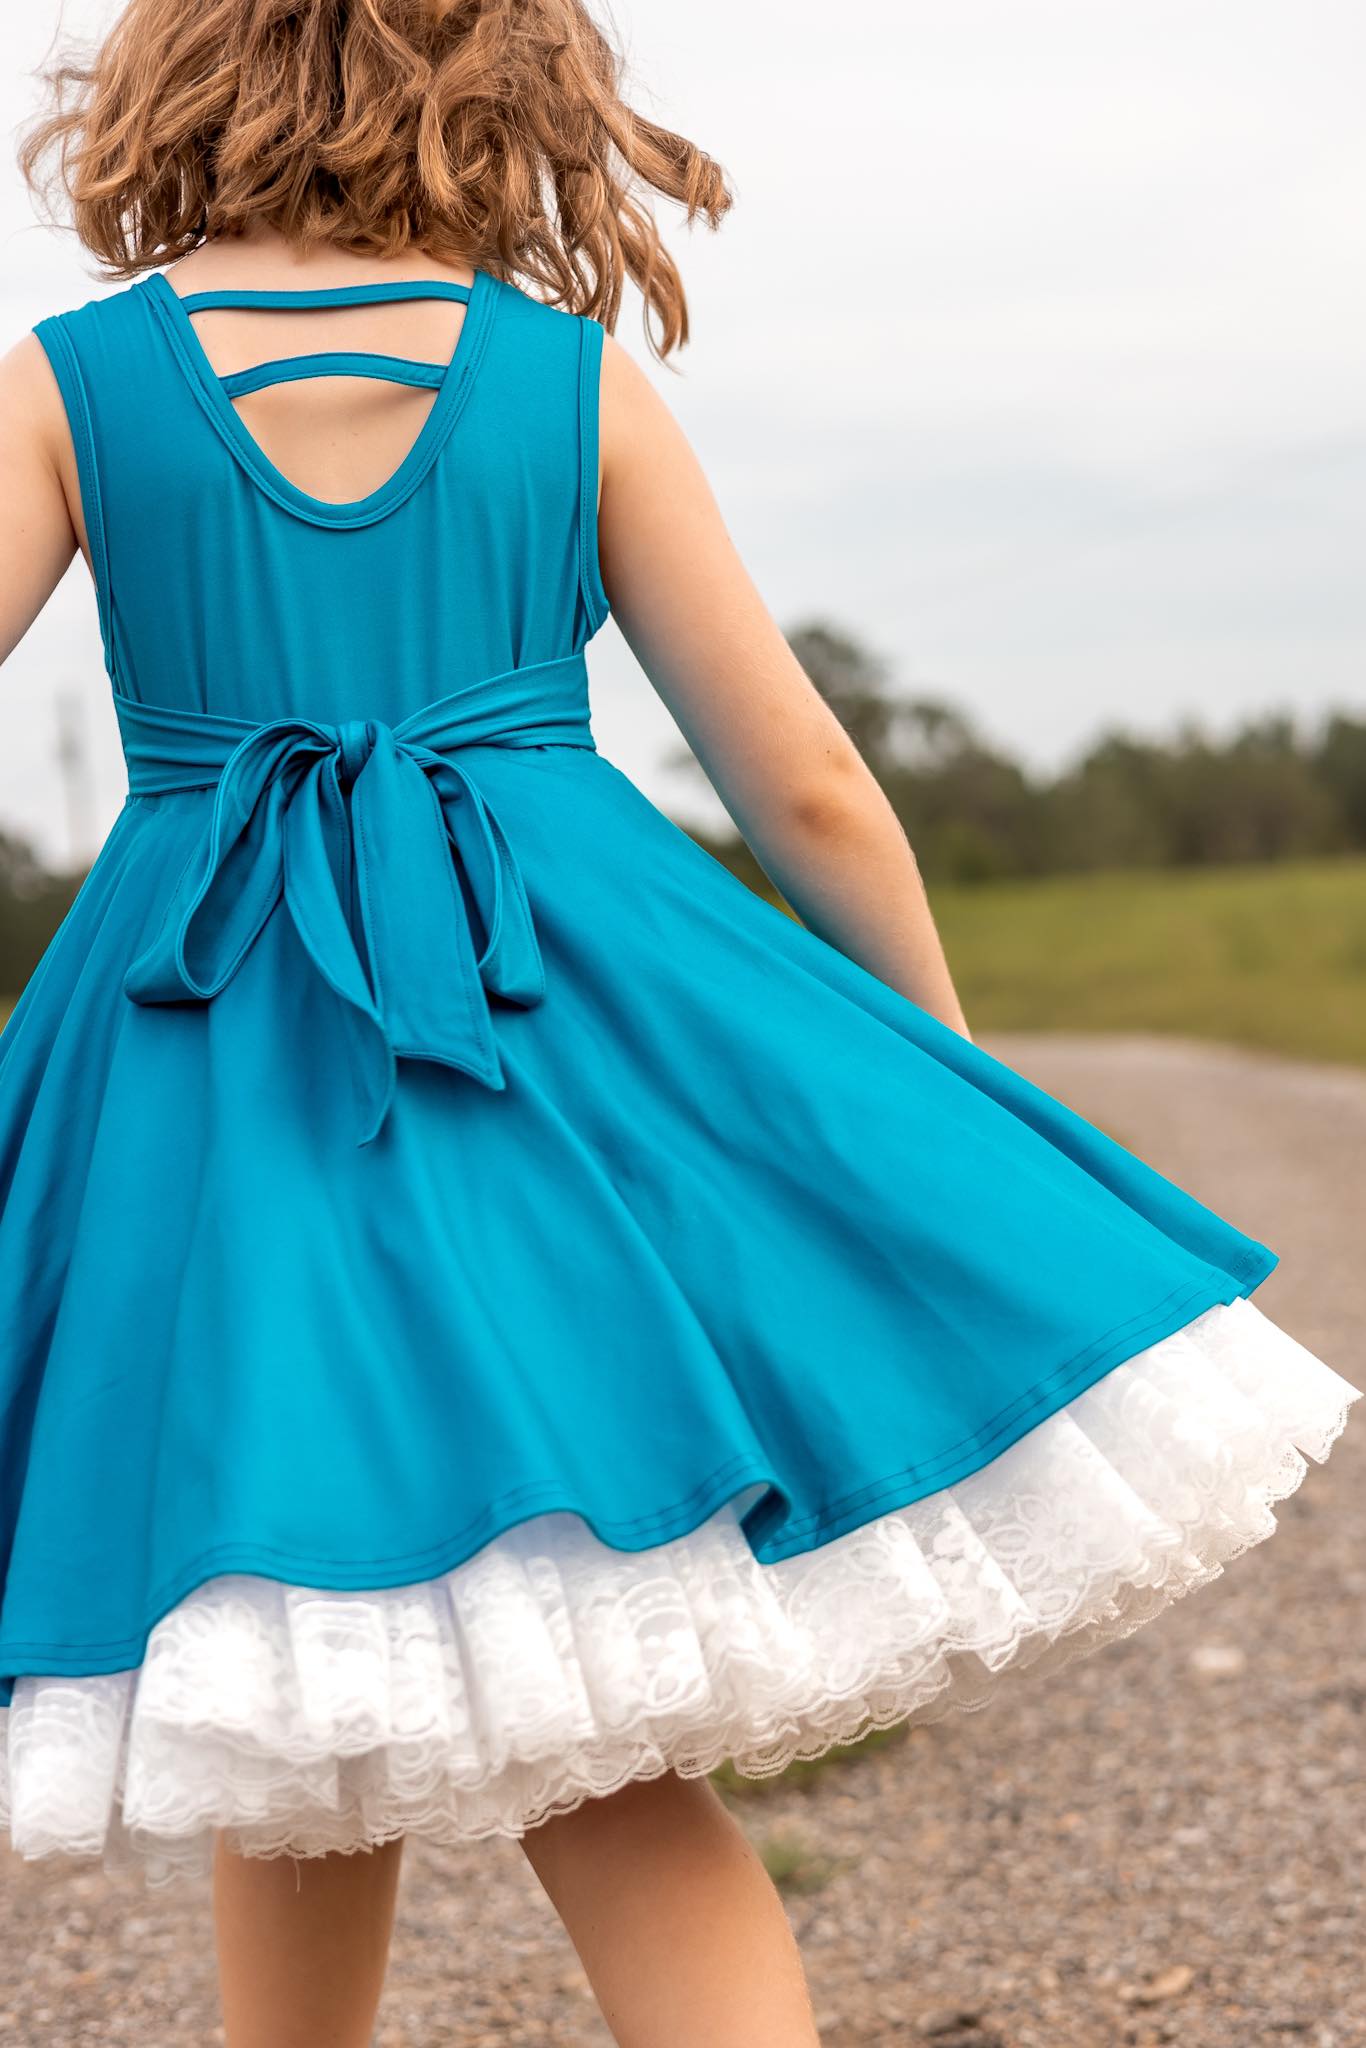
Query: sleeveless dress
column 490, row 1308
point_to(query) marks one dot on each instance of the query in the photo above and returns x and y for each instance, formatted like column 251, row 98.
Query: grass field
column 1272, row 957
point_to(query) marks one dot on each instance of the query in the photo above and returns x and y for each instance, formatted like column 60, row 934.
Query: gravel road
column 1161, row 1844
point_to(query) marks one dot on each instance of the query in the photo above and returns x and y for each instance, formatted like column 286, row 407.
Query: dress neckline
column 451, row 393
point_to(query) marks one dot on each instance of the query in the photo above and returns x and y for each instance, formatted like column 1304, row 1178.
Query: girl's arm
column 37, row 538
column 787, row 771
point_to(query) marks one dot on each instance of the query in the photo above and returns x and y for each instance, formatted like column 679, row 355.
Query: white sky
column 1032, row 352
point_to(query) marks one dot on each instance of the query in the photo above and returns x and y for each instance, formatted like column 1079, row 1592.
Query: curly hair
column 488, row 132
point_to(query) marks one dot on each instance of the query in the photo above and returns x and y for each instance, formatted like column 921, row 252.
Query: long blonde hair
column 490, row 132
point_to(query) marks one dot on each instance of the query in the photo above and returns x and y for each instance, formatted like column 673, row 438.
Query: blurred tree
column 1339, row 764
column 970, row 813
column 1192, row 802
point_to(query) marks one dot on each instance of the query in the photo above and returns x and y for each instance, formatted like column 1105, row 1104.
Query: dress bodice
column 224, row 587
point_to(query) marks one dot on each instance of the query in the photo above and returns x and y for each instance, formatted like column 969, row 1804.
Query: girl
column 497, row 1318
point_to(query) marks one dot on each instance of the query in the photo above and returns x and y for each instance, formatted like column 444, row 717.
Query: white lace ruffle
column 549, row 1667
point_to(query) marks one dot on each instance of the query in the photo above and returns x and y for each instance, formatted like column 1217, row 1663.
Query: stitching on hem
column 175, row 1589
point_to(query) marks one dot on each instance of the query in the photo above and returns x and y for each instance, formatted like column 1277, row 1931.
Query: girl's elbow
column 841, row 800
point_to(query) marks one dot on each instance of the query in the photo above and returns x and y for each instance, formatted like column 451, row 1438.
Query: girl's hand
column 781, row 762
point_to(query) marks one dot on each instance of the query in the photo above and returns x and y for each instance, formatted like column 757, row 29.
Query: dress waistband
column 365, row 830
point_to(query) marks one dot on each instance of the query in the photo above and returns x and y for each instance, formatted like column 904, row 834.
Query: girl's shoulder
column 108, row 302
column 517, row 303
column 117, row 310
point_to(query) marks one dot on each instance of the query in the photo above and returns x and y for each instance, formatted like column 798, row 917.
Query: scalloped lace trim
column 550, row 1668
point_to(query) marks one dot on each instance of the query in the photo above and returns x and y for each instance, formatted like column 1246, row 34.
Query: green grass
column 795, row 1864
column 1270, row 957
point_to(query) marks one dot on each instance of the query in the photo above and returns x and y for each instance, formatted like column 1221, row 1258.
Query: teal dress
column 491, row 1308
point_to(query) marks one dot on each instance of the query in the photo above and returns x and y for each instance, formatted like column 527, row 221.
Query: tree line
column 1272, row 790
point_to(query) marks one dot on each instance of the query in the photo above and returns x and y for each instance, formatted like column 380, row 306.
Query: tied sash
column 380, row 842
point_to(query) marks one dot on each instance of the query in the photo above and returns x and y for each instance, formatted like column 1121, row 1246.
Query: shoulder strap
column 66, row 368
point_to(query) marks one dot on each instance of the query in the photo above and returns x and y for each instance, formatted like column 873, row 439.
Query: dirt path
column 1164, row 1844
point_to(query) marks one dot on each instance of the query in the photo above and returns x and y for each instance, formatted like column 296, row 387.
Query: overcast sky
column 1031, row 351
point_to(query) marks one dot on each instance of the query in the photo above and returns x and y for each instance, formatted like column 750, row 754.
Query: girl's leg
column 303, row 1943
column 676, row 1921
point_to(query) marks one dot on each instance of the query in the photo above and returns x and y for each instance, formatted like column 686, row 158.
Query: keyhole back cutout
column 332, row 394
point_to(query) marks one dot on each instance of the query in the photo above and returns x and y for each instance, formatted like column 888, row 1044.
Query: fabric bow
column 367, row 837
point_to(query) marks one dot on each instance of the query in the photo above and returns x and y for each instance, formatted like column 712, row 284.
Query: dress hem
column 838, row 1517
